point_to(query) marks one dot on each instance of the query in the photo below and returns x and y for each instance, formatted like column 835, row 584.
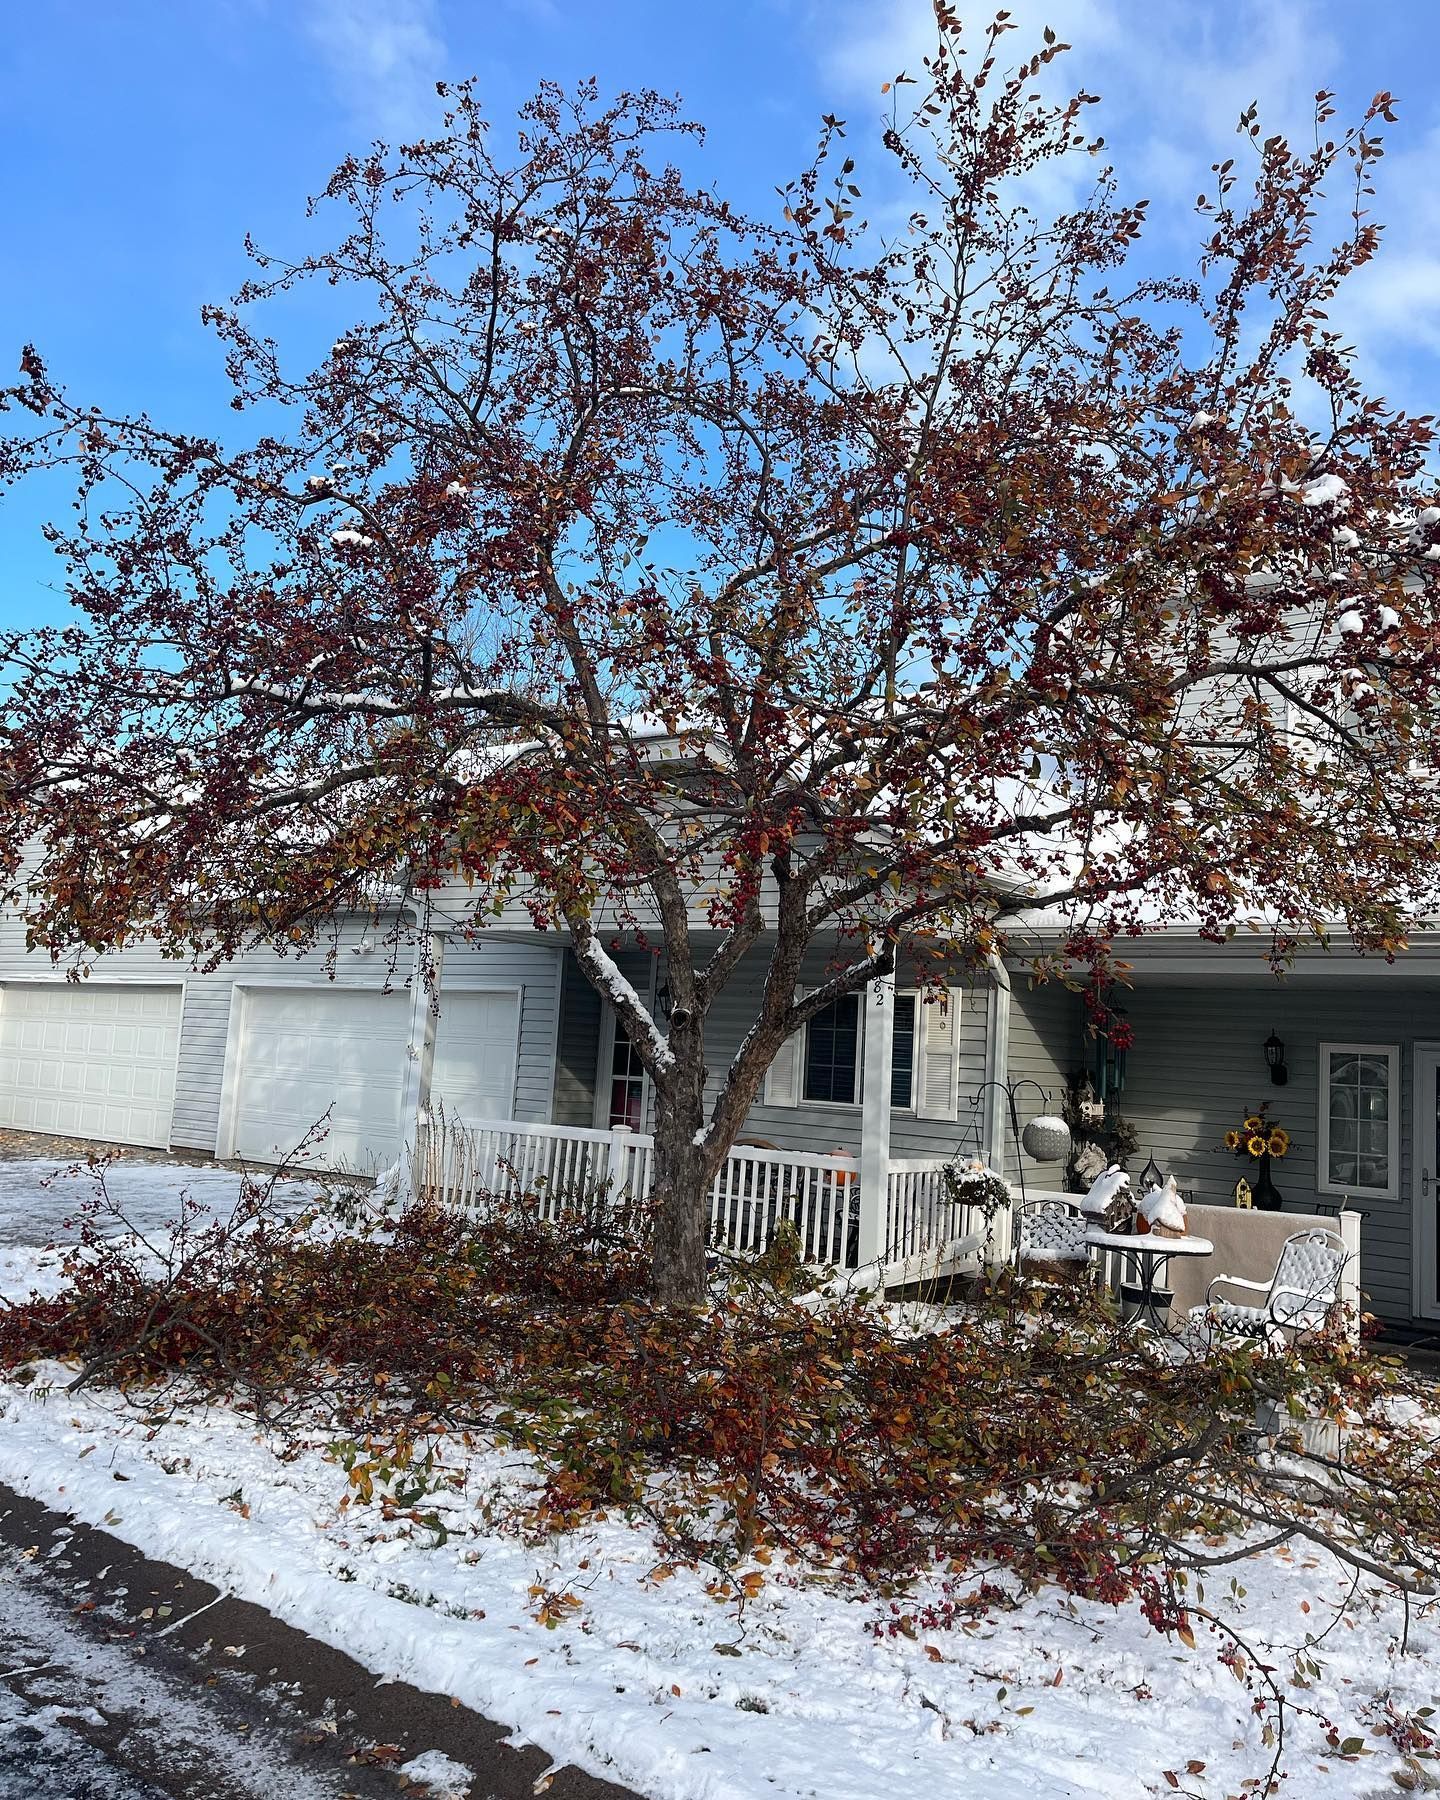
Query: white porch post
column 875, row 1119
column 420, row 1049
column 1350, row 1279
column 997, row 1073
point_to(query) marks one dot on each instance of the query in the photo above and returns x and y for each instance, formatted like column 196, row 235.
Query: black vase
column 1263, row 1190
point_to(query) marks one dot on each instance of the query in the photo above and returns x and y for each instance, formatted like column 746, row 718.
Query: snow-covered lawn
column 612, row 1660
column 41, row 1203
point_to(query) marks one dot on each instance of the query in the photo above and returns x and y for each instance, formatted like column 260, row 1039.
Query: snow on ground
column 41, row 1203
column 39, row 1200
column 446, row 1778
column 40, row 1754
column 642, row 1676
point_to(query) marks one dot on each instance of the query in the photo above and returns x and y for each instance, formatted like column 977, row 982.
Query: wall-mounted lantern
column 1275, row 1060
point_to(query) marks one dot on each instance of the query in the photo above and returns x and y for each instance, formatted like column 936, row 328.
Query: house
column 245, row 1060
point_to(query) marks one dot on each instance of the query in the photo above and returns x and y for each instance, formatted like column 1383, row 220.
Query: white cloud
column 1173, row 80
column 1391, row 310
column 384, row 58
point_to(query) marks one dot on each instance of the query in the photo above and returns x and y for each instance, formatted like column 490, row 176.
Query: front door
column 1425, row 1174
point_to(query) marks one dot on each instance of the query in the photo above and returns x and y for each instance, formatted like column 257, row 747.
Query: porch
column 1354, row 1080
column 905, row 1222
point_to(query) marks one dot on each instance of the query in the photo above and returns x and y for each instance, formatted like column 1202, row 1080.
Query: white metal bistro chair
column 1048, row 1231
column 1299, row 1297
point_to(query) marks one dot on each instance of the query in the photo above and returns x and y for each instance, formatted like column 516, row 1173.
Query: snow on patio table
column 651, row 1682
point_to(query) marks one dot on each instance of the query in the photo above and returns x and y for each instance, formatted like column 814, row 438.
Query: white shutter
column 785, row 1078
column 937, row 1073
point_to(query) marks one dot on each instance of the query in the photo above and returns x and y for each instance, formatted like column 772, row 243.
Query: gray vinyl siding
column 1046, row 1046
column 1197, row 1067
column 817, row 1126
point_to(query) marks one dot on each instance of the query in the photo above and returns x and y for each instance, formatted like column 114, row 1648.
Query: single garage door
column 306, row 1052
column 476, row 1040
column 89, row 1060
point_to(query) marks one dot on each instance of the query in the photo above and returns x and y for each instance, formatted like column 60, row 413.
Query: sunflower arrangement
column 1258, row 1136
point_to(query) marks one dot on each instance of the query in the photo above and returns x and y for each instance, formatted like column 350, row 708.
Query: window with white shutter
column 784, row 1076
column 938, row 1083
column 902, row 1053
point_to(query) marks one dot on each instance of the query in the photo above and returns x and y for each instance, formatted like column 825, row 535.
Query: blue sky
column 142, row 140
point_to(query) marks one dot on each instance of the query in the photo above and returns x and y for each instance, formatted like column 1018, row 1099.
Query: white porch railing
column 754, row 1191
column 757, row 1190
column 921, row 1216
column 459, row 1163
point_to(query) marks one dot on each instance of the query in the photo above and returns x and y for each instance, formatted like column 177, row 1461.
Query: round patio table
column 1142, row 1301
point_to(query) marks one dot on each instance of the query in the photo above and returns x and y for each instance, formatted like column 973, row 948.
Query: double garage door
column 329, row 1065
column 98, row 1060
column 89, row 1060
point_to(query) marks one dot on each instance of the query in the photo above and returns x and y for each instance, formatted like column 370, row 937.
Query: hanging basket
column 1046, row 1139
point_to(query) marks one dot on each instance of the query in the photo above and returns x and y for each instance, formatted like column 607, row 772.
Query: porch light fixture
column 1275, row 1060
column 665, row 1000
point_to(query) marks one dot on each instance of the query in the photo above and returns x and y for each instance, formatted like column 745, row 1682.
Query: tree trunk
column 682, row 1172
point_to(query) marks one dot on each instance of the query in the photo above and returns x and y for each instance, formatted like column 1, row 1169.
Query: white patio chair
column 1298, row 1297
column 1048, row 1231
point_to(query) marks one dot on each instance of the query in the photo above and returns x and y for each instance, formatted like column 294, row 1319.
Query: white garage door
column 90, row 1060
column 475, row 1048
column 309, row 1052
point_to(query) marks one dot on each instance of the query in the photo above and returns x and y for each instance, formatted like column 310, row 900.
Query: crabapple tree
column 740, row 583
